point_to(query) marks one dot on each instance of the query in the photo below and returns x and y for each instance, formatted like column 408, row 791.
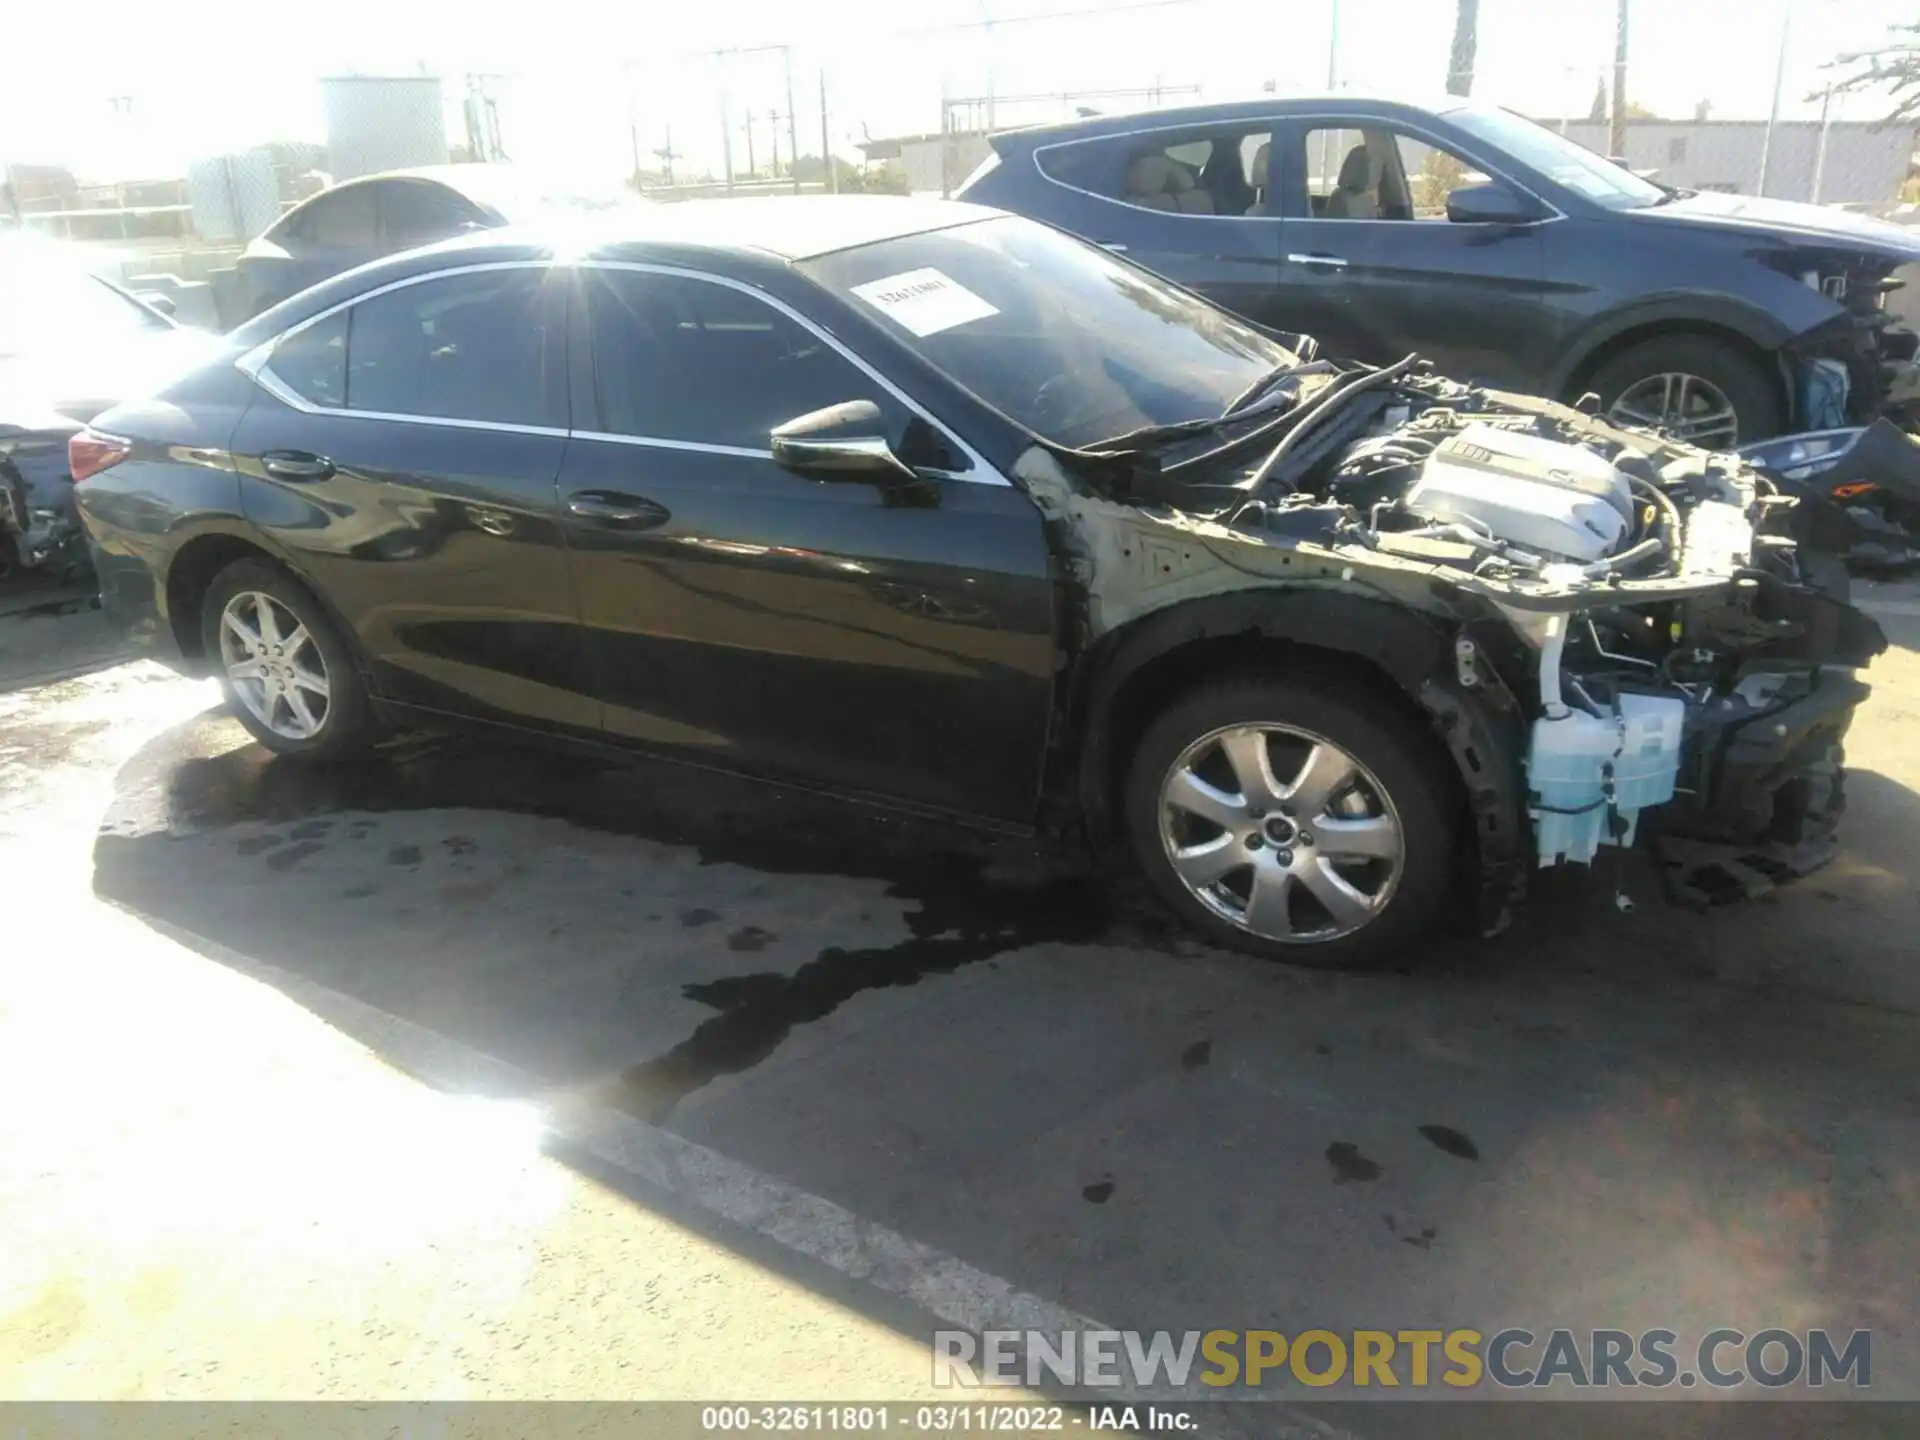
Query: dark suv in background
column 1500, row 250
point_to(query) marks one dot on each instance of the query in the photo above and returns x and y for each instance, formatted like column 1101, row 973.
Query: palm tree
column 1466, row 40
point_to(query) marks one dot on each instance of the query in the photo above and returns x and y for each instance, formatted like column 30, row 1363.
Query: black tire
column 1398, row 758
column 1755, row 398
column 347, row 725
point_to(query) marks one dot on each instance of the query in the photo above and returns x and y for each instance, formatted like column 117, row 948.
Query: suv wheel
column 288, row 676
column 1294, row 820
column 1698, row 390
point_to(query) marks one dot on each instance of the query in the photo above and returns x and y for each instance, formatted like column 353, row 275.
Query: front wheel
column 1693, row 388
column 288, row 676
column 1301, row 822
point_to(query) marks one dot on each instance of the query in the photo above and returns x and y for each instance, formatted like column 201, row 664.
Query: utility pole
column 1820, row 151
column 752, row 170
column 1779, row 83
column 826, row 144
column 1617, row 131
column 793, row 120
column 1333, row 47
column 726, row 127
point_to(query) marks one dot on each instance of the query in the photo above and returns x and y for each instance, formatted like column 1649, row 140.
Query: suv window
column 682, row 359
column 343, row 220
column 1217, row 172
column 416, row 212
column 1375, row 173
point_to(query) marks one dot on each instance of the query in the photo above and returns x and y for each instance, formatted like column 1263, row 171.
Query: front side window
column 682, row 359
column 1056, row 334
column 473, row 346
column 1376, row 173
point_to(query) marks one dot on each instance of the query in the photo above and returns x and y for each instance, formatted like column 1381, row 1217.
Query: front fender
column 1412, row 653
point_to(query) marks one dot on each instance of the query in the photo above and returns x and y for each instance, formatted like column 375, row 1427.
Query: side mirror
column 841, row 442
column 1490, row 204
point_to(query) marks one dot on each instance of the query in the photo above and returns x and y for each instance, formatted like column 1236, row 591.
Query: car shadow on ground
column 53, row 632
column 1597, row 1118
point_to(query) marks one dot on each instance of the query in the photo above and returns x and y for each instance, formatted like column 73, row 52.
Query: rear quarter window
column 1093, row 165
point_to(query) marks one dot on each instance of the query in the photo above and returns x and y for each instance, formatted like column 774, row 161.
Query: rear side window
column 1211, row 172
column 313, row 362
column 485, row 345
column 1094, row 165
column 416, row 212
column 341, row 220
column 691, row 360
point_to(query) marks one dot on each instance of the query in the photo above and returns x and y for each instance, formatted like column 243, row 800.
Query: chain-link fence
column 174, row 174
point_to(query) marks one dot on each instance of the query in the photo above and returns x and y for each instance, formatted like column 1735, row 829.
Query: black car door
column 1190, row 203
column 888, row 642
column 1374, row 268
column 403, row 454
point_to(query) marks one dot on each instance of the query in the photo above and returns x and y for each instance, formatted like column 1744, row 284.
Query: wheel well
column 191, row 575
column 1174, row 673
column 1764, row 361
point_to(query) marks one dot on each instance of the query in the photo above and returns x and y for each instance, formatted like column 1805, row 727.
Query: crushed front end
column 1653, row 643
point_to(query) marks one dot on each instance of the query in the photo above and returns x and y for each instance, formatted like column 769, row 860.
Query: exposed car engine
column 1661, row 626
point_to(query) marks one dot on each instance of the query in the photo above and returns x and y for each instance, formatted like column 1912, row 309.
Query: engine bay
column 1645, row 625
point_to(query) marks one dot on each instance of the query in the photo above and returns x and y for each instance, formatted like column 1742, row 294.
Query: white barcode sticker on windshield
column 925, row 301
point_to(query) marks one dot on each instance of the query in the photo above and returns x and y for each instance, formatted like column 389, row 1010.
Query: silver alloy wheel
column 274, row 666
column 1684, row 406
column 1306, row 859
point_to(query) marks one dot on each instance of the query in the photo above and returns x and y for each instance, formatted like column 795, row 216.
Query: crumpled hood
column 80, row 381
column 1788, row 219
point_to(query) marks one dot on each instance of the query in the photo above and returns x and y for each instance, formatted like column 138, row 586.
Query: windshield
column 1051, row 331
column 1558, row 158
column 48, row 307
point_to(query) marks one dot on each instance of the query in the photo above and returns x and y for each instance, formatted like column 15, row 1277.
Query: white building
column 1863, row 163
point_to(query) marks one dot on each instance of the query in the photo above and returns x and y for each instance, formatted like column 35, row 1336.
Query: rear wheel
column 1295, row 820
column 288, row 676
column 1696, row 389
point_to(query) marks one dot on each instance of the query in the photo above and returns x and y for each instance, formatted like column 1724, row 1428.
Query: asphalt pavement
column 481, row 1071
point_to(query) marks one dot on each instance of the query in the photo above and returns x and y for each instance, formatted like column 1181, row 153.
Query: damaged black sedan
column 937, row 507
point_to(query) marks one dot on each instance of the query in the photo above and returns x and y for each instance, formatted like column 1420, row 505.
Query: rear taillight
column 90, row 452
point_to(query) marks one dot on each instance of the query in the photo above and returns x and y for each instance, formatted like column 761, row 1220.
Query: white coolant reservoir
column 1584, row 768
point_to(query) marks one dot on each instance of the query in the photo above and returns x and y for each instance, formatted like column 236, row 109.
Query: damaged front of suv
column 1633, row 639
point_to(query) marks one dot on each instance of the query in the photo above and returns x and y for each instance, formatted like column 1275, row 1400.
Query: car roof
column 793, row 227
column 745, row 236
column 1231, row 112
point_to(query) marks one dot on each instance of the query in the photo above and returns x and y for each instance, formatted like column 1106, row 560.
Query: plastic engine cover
column 1537, row 494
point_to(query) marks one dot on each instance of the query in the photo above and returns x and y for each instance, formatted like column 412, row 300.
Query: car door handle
column 1329, row 262
column 617, row 511
column 296, row 465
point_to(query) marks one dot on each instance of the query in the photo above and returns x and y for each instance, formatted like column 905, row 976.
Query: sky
column 576, row 87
